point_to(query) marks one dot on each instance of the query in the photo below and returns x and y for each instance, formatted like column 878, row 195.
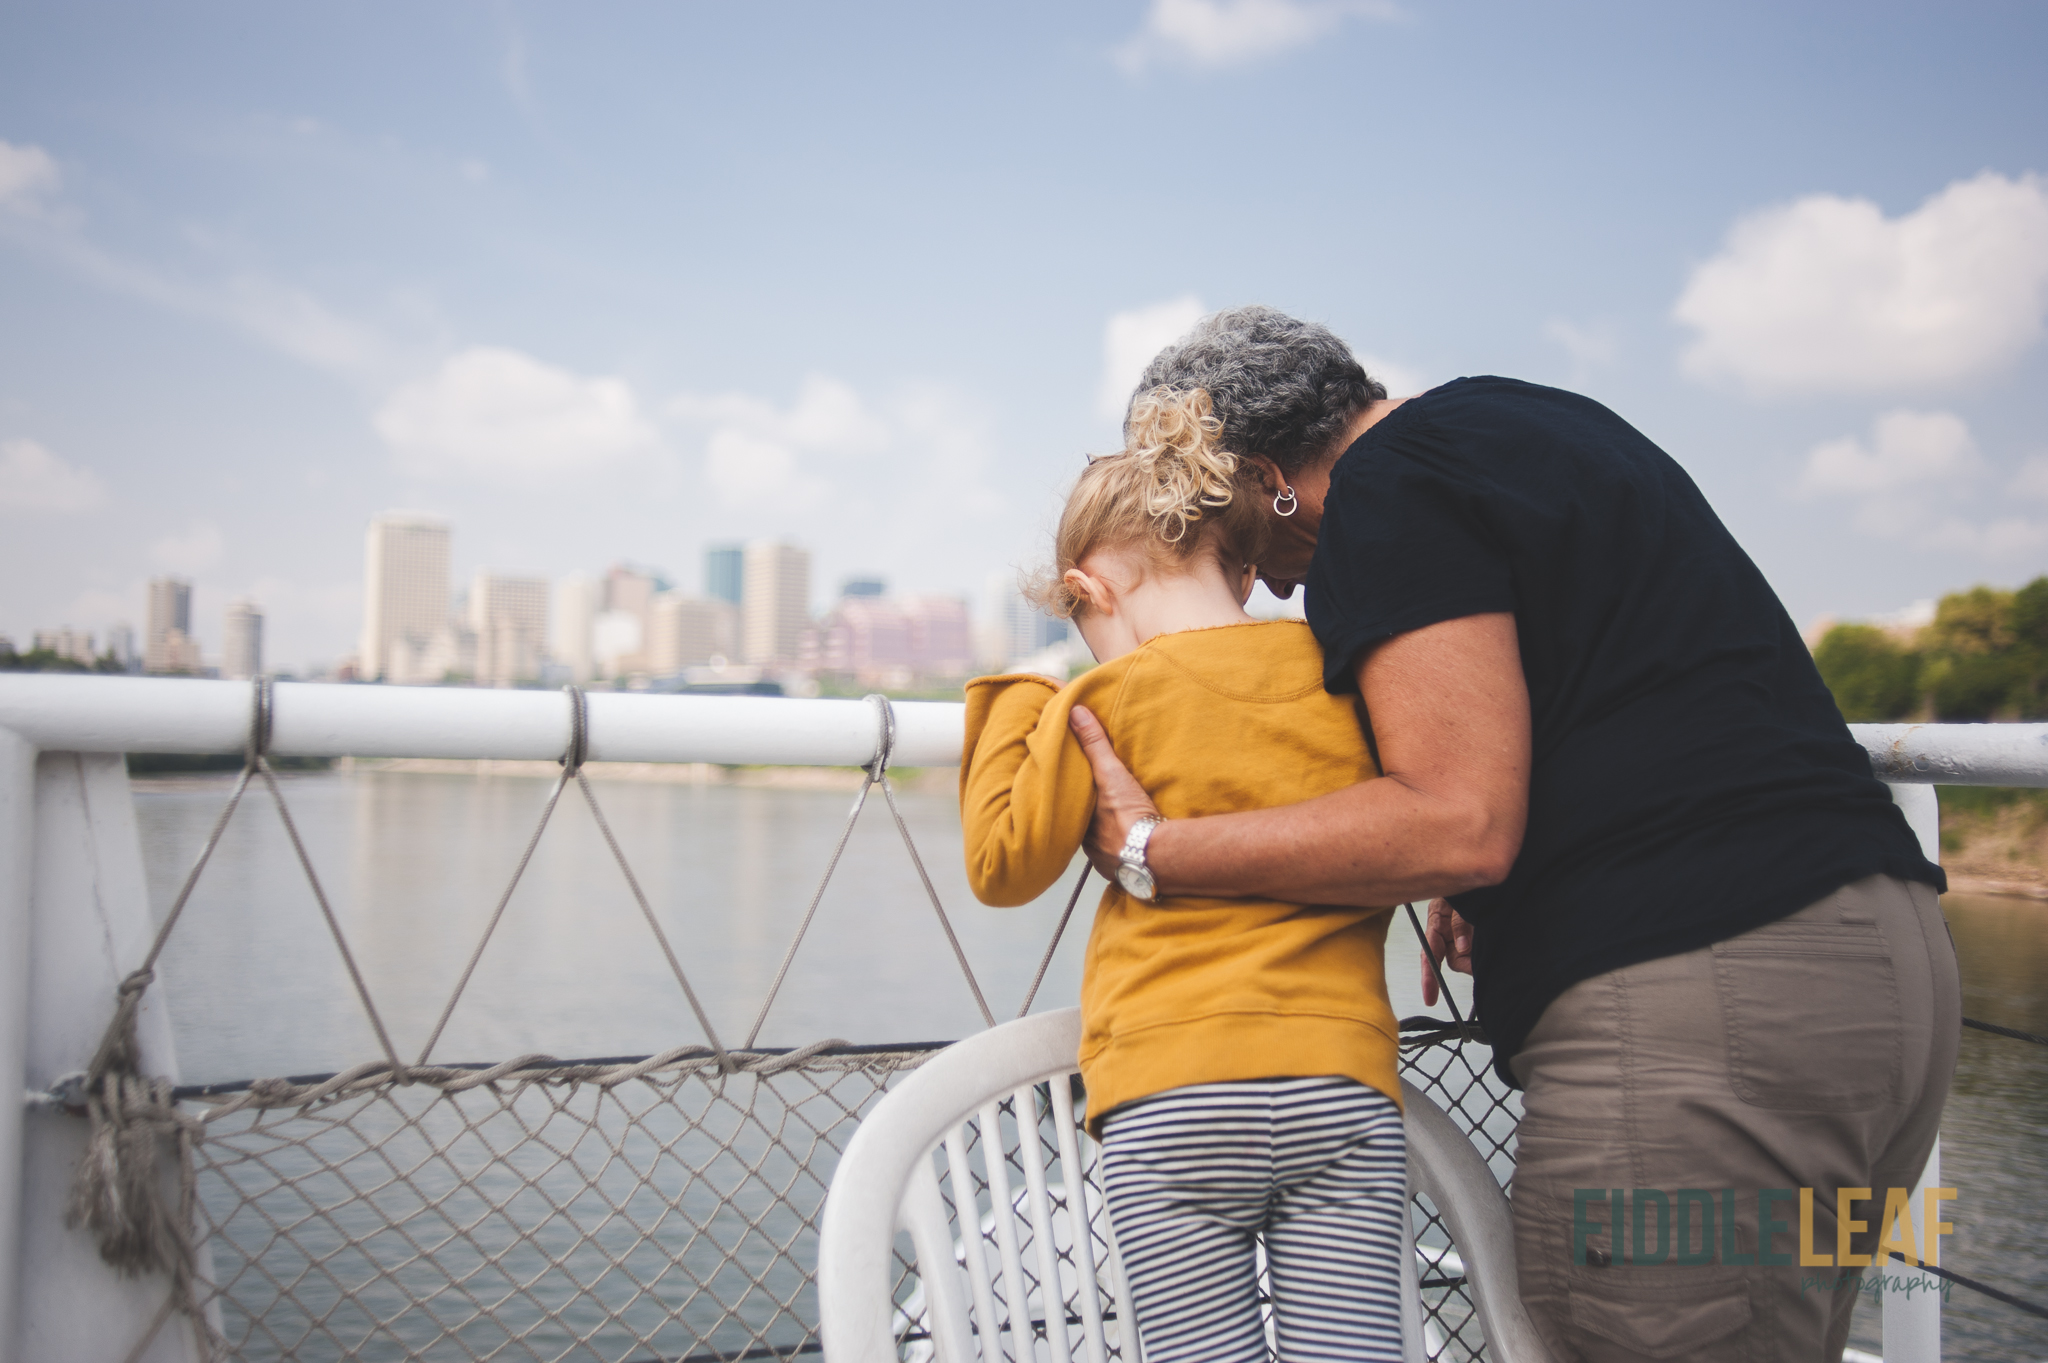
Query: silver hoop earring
column 1286, row 494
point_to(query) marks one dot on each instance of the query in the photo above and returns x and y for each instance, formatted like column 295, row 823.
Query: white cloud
column 281, row 315
column 910, row 467
column 1131, row 339
column 2031, row 480
column 495, row 413
column 1399, row 379
column 2008, row 537
column 1211, row 34
column 745, row 468
column 198, row 549
column 1826, row 294
column 1913, row 467
column 1591, row 345
column 757, row 454
column 300, row 325
column 26, row 175
column 33, row 479
column 1905, row 449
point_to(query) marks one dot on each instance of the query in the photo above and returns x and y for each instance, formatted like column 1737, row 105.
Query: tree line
column 49, row 660
column 1984, row 656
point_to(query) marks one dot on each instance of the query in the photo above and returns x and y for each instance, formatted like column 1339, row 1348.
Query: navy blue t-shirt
column 1692, row 777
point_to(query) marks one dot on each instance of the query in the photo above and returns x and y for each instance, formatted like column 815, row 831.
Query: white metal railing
column 59, row 713
column 74, row 911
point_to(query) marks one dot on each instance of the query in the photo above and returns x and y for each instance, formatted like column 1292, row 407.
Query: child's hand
column 1448, row 938
column 1119, row 800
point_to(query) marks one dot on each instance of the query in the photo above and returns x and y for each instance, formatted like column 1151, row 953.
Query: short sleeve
column 1404, row 544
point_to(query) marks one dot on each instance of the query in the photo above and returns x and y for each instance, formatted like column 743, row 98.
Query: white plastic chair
column 971, row 1294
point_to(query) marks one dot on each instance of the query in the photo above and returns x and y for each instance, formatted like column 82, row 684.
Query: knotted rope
column 117, row 1190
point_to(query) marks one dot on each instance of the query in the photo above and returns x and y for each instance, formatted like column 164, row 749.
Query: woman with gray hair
column 1704, row 941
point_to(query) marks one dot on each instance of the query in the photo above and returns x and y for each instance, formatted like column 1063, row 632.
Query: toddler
column 1239, row 1055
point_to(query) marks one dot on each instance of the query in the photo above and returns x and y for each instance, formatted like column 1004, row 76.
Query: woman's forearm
column 1381, row 842
column 1450, row 710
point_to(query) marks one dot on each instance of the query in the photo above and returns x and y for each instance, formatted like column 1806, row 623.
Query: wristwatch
column 1134, row 875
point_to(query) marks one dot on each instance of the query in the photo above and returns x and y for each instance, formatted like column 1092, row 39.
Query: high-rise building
column 241, row 641
column 68, row 643
column 405, row 596
column 121, row 644
column 1010, row 628
column 170, row 646
column 624, row 626
column 725, row 573
column 509, row 616
column 863, row 586
column 689, row 631
column 941, row 635
column 572, row 629
column 883, row 640
column 775, row 602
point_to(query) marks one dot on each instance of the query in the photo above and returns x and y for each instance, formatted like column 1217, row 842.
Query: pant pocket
column 1674, row 1324
column 1811, row 1013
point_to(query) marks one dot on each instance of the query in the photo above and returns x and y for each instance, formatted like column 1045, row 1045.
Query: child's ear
column 1247, row 578
column 1090, row 591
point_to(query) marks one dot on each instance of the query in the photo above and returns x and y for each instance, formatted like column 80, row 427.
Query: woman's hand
column 1448, row 938
column 1119, row 800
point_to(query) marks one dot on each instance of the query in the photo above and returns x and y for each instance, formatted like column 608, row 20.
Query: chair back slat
column 1052, row 1290
column 924, row 1216
column 1088, row 1290
column 1413, row 1343
column 1003, row 1204
column 973, row 1245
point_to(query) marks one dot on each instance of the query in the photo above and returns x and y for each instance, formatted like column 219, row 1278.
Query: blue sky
column 608, row 282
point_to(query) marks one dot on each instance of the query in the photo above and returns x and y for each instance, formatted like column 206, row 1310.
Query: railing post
column 1912, row 1319
column 89, row 906
column 17, row 836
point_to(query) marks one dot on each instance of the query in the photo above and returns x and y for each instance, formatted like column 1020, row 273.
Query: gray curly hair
column 1282, row 387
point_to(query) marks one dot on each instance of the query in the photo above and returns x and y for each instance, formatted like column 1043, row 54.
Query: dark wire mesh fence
column 672, row 1215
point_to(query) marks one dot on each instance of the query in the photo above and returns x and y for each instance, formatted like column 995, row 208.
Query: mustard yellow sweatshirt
column 1188, row 990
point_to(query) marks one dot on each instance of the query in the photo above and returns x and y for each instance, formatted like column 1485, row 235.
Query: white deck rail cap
column 71, row 713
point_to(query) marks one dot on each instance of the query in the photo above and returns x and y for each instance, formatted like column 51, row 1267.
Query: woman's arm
column 1450, row 714
column 1026, row 792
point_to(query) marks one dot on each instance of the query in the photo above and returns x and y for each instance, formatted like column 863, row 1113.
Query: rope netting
column 623, row 1210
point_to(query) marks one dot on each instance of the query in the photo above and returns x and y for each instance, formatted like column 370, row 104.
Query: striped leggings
column 1316, row 1168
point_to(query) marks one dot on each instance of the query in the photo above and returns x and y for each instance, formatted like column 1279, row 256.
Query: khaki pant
column 1814, row 1052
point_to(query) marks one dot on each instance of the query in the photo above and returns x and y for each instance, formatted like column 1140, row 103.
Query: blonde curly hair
column 1173, row 491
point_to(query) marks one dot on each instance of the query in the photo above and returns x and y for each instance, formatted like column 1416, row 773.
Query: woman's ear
column 1270, row 476
column 1092, row 592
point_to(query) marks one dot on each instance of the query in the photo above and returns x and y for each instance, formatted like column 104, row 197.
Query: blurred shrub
column 1984, row 656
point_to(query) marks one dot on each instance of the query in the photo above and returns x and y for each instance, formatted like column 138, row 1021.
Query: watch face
column 1137, row 881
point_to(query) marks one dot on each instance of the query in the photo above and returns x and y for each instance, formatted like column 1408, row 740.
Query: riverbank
column 1995, row 841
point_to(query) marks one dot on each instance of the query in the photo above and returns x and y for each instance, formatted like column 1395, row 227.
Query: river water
column 414, row 864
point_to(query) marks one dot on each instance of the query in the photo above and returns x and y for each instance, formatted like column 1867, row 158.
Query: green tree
column 2030, row 643
column 1872, row 675
column 1973, row 667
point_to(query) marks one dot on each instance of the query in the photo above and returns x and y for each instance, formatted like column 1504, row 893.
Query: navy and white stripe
column 1315, row 1168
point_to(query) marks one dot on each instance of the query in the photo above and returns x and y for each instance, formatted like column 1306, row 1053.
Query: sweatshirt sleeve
column 1026, row 792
